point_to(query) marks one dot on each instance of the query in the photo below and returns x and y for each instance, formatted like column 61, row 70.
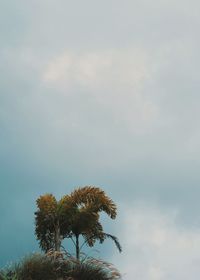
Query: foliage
column 53, row 267
column 37, row 267
column 8, row 275
column 46, row 219
column 91, row 268
column 52, row 223
column 87, row 203
column 74, row 215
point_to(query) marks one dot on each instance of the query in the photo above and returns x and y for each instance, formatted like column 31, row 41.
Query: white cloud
column 156, row 248
column 91, row 69
column 113, row 79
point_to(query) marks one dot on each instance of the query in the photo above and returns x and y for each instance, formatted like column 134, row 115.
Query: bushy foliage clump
column 45, row 267
column 8, row 274
column 33, row 267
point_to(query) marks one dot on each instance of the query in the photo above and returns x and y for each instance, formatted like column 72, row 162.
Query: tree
column 87, row 203
column 52, row 225
column 74, row 215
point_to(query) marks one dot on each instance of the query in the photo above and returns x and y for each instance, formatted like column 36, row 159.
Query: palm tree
column 85, row 205
column 74, row 215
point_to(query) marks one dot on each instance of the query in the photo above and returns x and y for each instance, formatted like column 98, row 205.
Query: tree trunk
column 57, row 238
column 77, row 247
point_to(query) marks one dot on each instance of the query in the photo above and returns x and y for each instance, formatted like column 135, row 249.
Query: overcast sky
column 104, row 93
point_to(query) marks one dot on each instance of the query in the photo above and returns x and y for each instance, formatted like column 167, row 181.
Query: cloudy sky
column 104, row 93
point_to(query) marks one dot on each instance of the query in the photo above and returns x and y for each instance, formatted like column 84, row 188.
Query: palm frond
column 115, row 239
column 95, row 197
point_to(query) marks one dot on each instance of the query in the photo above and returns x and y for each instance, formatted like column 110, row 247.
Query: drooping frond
column 115, row 239
column 90, row 239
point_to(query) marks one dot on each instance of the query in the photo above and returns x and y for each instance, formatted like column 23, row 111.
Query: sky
column 104, row 93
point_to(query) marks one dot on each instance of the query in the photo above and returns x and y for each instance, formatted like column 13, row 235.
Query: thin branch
column 84, row 242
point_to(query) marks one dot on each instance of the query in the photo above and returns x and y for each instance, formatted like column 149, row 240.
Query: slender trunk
column 57, row 238
column 77, row 247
